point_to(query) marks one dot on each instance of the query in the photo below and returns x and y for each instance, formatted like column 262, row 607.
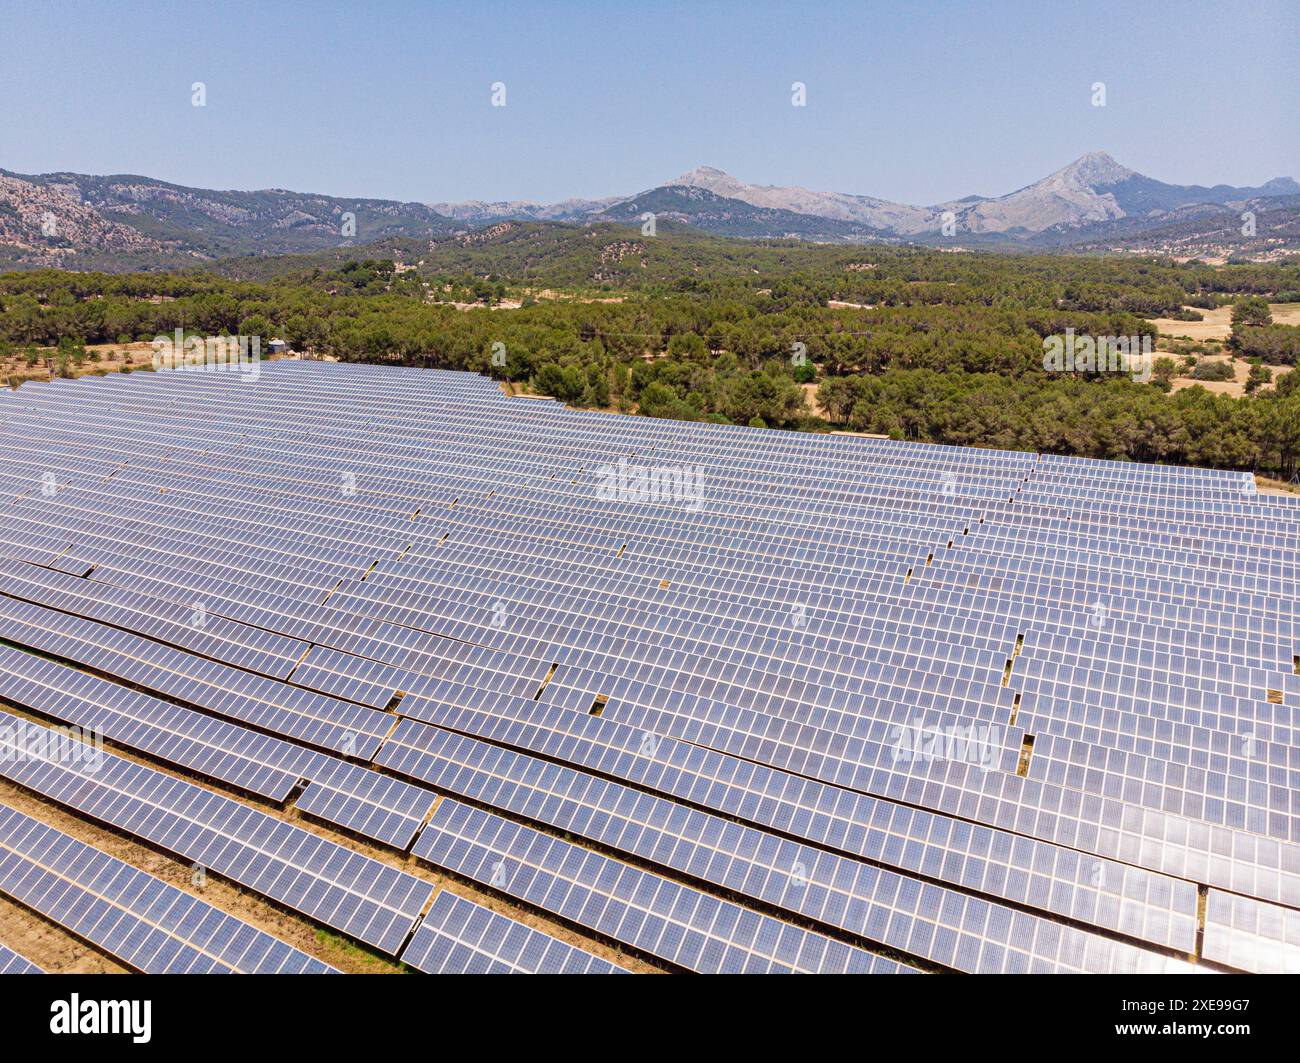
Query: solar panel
column 342, row 794
column 461, row 937
column 649, row 759
column 210, row 747
column 189, row 626
column 1252, row 936
column 367, row 803
column 12, row 963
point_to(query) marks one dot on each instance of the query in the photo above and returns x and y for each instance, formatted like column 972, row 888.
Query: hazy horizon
column 393, row 101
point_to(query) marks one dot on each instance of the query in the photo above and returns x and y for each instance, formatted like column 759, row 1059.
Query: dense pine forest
column 918, row 344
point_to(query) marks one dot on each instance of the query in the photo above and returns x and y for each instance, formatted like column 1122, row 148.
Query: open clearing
column 1217, row 324
column 1235, row 387
column 103, row 358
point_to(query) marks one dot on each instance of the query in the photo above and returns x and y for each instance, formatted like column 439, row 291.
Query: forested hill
column 128, row 221
column 609, row 258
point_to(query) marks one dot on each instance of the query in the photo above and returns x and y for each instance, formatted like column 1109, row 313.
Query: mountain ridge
column 182, row 222
column 131, row 221
column 1093, row 190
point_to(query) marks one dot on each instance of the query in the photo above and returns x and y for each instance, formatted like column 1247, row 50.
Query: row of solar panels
column 1284, row 686
column 12, row 962
column 142, row 921
column 841, row 451
column 355, row 894
column 486, row 391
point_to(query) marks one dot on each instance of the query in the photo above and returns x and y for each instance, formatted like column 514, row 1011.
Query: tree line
column 946, row 347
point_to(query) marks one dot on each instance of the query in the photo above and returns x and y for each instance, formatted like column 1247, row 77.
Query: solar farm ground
column 392, row 669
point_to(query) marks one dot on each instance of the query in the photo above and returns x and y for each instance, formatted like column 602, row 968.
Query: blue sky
column 918, row 102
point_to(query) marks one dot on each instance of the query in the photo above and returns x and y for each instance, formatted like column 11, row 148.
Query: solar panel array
column 664, row 919
column 323, row 880
column 146, row 923
column 728, row 699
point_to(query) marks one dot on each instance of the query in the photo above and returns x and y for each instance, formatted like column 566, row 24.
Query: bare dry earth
column 103, row 358
column 1235, row 387
column 1217, row 324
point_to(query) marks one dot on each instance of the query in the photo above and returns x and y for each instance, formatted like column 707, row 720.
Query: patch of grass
column 351, row 949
